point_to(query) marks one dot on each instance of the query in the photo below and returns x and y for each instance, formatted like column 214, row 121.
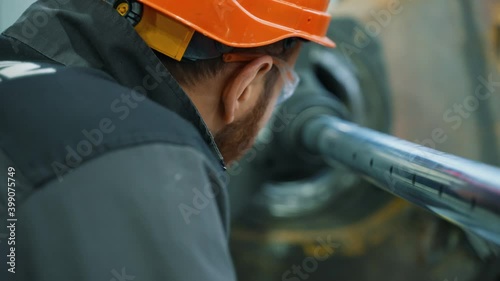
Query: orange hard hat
column 235, row 23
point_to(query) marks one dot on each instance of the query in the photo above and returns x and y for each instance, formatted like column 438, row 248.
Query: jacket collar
column 90, row 33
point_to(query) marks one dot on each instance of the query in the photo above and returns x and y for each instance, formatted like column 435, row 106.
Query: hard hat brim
column 257, row 24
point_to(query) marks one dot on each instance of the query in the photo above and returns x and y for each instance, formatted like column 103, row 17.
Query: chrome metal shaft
column 464, row 192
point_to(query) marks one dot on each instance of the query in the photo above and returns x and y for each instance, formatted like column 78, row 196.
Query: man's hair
column 188, row 72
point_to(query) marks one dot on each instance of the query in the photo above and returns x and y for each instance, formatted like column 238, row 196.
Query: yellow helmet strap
column 166, row 35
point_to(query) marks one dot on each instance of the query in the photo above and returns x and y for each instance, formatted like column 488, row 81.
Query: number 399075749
column 11, row 184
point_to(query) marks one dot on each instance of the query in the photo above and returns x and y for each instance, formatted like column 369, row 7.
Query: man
column 114, row 164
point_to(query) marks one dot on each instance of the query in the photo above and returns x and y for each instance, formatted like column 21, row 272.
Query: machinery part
column 464, row 192
column 358, row 79
column 290, row 190
column 381, row 237
column 358, row 82
column 388, row 244
column 299, row 198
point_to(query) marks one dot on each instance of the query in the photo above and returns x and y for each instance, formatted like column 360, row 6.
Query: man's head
column 236, row 98
column 231, row 57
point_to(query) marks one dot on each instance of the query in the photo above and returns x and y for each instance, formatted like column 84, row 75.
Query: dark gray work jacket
column 107, row 171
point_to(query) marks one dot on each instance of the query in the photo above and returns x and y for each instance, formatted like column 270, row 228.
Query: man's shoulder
column 56, row 118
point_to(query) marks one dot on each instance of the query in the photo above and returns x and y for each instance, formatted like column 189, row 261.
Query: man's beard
column 236, row 138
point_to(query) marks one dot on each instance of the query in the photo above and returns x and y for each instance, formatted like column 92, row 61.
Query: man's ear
column 240, row 91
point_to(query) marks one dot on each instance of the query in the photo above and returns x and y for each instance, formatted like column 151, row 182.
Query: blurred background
column 411, row 69
column 404, row 67
column 11, row 10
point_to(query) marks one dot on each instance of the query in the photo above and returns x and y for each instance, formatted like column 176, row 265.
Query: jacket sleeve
column 143, row 213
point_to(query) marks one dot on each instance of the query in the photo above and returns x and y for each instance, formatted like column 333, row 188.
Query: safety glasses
column 290, row 77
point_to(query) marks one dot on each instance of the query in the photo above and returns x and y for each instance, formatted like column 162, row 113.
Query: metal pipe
column 464, row 192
